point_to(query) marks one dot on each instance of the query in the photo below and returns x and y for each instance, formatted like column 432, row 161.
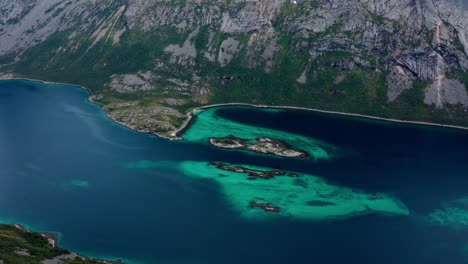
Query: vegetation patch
column 21, row 246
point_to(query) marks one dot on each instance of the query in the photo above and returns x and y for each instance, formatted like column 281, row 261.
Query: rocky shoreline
column 91, row 99
column 178, row 133
column 46, row 240
column 52, row 238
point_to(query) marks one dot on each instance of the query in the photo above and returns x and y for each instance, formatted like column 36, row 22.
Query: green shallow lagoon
column 302, row 196
column 208, row 124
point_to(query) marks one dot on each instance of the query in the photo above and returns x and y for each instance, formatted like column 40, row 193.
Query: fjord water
column 64, row 168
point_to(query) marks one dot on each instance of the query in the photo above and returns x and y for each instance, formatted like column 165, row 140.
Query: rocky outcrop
column 398, row 81
column 229, row 49
column 132, row 83
column 186, row 53
column 446, row 92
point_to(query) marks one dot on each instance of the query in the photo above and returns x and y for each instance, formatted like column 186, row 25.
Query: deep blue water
column 52, row 139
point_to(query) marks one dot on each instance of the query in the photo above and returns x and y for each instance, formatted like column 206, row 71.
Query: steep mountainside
column 149, row 62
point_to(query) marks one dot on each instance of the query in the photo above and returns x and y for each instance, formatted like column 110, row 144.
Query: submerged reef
column 253, row 174
column 208, row 127
column 453, row 214
column 258, row 192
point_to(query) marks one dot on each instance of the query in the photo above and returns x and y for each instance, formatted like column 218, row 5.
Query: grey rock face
column 147, row 15
column 253, row 17
column 455, row 12
column 26, row 23
column 410, row 40
column 228, row 51
column 422, row 65
column 398, row 81
column 131, row 83
column 14, row 10
column 186, row 53
column 446, row 92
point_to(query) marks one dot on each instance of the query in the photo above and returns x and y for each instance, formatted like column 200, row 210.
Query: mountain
column 150, row 62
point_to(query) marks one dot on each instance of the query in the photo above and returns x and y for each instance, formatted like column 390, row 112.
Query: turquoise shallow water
column 111, row 191
column 210, row 125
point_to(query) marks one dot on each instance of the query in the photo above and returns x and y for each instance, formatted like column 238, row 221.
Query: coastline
column 191, row 115
column 176, row 135
column 8, row 77
column 52, row 238
column 53, row 243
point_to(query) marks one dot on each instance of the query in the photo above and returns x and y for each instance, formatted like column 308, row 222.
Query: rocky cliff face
column 25, row 23
column 193, row 51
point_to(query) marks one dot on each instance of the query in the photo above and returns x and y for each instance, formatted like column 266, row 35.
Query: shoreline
column 90, row 99
column 176, row 135
column 7, row 77
column 53, row 242
column 52, row 238
column 191, row 115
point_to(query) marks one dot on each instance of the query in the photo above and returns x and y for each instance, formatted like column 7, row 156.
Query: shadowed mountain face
column 150, row 61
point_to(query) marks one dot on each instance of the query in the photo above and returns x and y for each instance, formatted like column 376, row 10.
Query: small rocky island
column 267, row 207
column 260, row 145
